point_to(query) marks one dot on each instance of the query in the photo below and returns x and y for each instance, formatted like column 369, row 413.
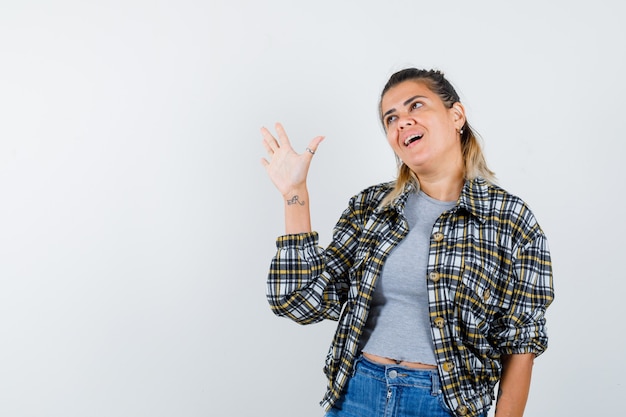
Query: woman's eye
column 416, row 105
column 391, row 119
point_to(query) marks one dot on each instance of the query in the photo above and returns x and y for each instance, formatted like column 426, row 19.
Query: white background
column 137, row 223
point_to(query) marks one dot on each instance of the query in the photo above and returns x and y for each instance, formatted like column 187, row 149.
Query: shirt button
column 434, row 276
column 448, row 366
column 462, row 410
column 439, row 322
column 438, row 236
column 393, row 373
column 486, row 294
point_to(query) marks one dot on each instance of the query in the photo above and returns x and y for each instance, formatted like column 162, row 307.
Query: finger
column 282, row 135
column 268, row 148
column 314, row 144
column 268, row 140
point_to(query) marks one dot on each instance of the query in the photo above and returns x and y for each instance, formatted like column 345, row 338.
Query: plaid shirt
column 489, row 280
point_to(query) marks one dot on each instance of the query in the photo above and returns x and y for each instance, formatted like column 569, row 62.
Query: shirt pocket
column 480, row 298
column 482, row 282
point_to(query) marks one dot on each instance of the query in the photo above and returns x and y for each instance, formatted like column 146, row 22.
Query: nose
column 405, row 122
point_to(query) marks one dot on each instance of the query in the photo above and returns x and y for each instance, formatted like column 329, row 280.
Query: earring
column 461, row 131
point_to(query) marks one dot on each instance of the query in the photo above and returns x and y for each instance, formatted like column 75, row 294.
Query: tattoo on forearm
column 295, row 200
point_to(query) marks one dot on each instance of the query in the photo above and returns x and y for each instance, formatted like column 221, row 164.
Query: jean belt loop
column 355, row 363
column 434, row 378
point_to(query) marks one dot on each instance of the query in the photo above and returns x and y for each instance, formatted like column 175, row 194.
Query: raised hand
column 286, row 168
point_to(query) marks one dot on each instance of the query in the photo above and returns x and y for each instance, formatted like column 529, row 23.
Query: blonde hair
column 474, row 163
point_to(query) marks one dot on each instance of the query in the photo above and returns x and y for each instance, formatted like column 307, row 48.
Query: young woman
column 440, row 280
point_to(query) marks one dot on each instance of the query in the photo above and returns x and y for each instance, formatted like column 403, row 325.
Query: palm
column 286, row 168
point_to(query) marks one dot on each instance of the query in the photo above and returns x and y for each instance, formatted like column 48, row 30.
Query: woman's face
column 421, row 130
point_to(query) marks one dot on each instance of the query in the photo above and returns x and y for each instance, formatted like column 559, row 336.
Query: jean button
column 393, row 373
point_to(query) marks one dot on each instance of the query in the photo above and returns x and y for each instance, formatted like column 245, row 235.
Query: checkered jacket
column 489, row 280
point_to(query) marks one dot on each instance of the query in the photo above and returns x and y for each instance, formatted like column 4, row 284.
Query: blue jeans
column 390, row 391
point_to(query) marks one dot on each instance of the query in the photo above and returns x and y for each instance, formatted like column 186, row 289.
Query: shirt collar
column 399, row 202
column 474, row 198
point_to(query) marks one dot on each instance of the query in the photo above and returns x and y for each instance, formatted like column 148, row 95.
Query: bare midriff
column 388, row 361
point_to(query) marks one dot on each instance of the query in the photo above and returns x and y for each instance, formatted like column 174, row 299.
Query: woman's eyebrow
column 406, row 103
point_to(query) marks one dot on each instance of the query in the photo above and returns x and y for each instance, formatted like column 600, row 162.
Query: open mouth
column 412, row 139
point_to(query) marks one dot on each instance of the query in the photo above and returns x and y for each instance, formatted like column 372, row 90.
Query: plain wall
column 137, row 223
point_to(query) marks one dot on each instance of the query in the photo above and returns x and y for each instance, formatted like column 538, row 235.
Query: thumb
column 314, row 144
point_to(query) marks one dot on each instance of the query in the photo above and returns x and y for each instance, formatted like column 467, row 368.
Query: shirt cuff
column 297, row 240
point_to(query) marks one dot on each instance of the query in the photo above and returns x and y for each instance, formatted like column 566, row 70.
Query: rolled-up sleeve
column 307, row 283
column 297, row 285
column 523, row 328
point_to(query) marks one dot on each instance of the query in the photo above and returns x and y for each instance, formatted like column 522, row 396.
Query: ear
column 458, row 115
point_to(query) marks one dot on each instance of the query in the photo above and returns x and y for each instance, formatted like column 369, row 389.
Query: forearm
column 514, row 385
column 297, row 211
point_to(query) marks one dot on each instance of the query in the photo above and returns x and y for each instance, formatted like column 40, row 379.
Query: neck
column 447, row 188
